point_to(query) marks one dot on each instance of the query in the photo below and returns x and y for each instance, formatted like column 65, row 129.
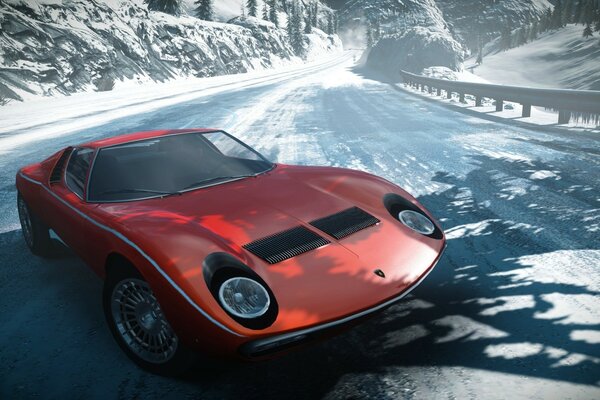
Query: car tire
column 35, row 233
column 139, row 326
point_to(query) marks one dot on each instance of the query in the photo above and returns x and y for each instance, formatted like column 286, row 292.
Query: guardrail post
column 461, row 97
column 478, row 101
column 526, row 111
column 499, row 105
column 448, row 94
column 430, row 89
column 564, row 117
column 439, row 92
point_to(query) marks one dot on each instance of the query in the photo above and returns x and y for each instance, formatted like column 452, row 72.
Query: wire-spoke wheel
column 139, row 325
column 35, row 233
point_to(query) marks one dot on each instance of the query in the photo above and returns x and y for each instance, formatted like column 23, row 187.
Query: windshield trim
column 272, row 166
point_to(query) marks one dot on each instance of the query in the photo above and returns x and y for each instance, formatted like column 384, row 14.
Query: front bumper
column 267, row 346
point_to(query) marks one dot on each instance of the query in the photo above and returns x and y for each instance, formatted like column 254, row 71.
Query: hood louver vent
column 345, row 223
column 286, row 244
column 56, row 174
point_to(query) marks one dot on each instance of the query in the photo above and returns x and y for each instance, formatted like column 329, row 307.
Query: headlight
column 417, row 222
column 244, row 297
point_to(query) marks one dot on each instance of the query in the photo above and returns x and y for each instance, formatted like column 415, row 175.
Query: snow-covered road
column 511, row 311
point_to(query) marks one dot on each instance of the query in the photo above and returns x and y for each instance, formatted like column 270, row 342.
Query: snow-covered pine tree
column 265, row 11
column 521, row 36
column 506, row 38
column 330, row 24
column 284, row 6
column 377, row 30
column 315, row 14
column 273, row 12
column 370, row 41
column 295, row 28
column 587, row 31
column 547, row 20
column 204, row 9
column 172, row 7
column 252, row 6
column 308, row 19
column 533, row 31
column 597, row 26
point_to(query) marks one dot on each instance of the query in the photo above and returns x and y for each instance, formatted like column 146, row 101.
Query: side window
column 77, row 170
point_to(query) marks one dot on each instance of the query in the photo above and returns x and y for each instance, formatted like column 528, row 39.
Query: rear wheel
column 139, row 326
column 35, row 232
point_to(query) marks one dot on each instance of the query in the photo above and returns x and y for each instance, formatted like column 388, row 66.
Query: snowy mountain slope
column 50, row 47
column 415, row 34
column 462, row 16
column 561, row 58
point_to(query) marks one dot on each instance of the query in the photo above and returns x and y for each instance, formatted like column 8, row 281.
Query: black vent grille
column 345, row 223
column 286, row 244
column 56, row 174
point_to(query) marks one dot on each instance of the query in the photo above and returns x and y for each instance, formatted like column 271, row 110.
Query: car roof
column 132, row 137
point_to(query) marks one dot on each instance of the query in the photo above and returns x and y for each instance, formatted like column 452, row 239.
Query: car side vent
column 56, row 173
column 286, row 244
column 345, row 223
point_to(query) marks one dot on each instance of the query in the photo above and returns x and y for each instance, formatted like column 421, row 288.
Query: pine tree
column 506, row 38
column 589, row 12
column 547, row 20
column 315, row 14
column 308, row 20
column 597, row 26
column 521, row 36
column 265, row 11
column 273, row 12
column 587, row 31
column 252, row 8
column 568, row 11
column 330, row 24
column 204, row 9
column 284, row 6
column 533, row 32
column 243, row 10
column 370, row 41
column 557, row 16
column 578, row 17
column 377, row 30
column 172, row 7
column 295, row 28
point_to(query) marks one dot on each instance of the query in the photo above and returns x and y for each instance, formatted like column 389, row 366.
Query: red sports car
column 208, row 248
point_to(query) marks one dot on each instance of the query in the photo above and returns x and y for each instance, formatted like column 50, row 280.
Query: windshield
column 172, row 164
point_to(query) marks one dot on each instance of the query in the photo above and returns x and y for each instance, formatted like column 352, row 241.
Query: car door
column 69, row 205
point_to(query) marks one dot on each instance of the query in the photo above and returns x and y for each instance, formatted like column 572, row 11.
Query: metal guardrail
column 567, row 102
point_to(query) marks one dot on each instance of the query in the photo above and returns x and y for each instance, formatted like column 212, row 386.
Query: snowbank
column 51, row 47
column 558, row 59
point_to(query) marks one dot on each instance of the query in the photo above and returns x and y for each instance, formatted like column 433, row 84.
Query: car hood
column 317, row 286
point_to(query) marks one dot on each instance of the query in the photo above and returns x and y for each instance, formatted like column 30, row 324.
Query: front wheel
column 139, row 325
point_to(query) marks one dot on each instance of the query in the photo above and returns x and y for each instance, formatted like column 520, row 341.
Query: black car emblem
column 379, row 273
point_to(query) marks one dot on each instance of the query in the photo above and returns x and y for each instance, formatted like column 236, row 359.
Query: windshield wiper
column 216, row 178
column 121, row 191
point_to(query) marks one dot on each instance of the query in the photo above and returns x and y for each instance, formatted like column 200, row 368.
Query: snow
column 511, row 310
column 92, row 46
column 558, row 59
